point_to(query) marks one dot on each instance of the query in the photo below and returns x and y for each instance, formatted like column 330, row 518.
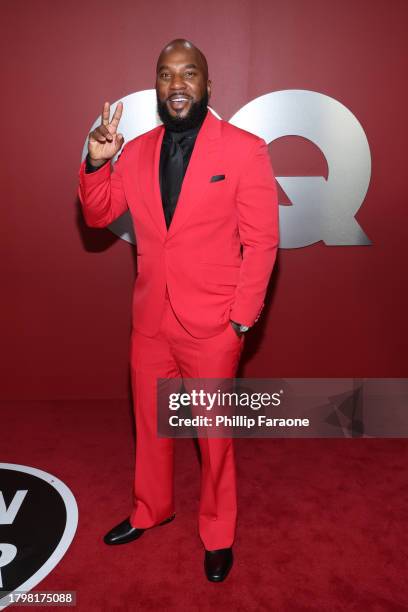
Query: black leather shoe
column 124, row 532
column 217, row 564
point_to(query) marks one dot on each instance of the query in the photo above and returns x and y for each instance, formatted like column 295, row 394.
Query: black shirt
column 171, row 180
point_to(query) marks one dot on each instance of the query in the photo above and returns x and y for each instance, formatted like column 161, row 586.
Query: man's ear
column 209, row 88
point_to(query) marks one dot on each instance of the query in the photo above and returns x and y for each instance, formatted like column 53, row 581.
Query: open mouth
column 178, row 102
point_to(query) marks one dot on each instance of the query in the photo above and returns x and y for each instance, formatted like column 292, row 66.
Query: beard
column 194, row 117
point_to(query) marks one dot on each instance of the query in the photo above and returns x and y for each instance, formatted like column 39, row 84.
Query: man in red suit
column 203, row 201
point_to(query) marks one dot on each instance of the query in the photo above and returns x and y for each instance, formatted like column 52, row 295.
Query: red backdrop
column 66, row 288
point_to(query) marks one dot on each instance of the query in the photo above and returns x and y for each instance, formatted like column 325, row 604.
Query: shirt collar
column 188, row 134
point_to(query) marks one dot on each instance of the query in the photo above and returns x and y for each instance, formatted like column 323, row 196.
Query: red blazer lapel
column 197, row 178
column 196, row 181
column 149, row 182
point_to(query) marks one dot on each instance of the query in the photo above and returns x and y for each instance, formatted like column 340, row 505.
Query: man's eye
column 164, row 75
column 190, row 73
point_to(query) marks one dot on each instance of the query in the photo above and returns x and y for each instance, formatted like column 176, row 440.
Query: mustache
column 195, row 116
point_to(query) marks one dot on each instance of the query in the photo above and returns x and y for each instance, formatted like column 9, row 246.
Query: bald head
column 181, row 44
column 182, row 85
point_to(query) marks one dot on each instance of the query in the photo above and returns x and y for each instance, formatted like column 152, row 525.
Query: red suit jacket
column 218, row 254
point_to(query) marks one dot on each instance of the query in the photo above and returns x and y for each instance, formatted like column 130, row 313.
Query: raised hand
column 104, row 141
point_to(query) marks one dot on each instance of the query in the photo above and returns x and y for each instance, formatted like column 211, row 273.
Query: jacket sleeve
column 258, row 224
column 101, row 193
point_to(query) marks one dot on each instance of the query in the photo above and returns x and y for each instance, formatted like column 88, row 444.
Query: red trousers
column 174, row 353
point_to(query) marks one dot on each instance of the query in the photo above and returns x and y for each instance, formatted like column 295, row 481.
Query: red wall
column 66, row 288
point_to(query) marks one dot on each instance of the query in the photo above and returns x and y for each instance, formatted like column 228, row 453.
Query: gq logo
column 321, row 209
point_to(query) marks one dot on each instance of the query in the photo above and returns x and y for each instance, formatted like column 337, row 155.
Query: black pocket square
column 217, row 177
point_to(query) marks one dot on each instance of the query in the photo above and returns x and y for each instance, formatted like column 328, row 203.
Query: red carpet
column 322, row 525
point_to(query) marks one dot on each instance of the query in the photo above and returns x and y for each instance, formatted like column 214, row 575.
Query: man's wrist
column 91, row 165
column 240, row 327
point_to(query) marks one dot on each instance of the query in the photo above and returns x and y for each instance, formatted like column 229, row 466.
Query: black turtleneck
column 175, row 154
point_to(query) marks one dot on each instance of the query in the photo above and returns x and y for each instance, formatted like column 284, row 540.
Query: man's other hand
column 236, row 328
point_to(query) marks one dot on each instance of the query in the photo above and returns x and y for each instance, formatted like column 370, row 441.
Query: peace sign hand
column 104, row 141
